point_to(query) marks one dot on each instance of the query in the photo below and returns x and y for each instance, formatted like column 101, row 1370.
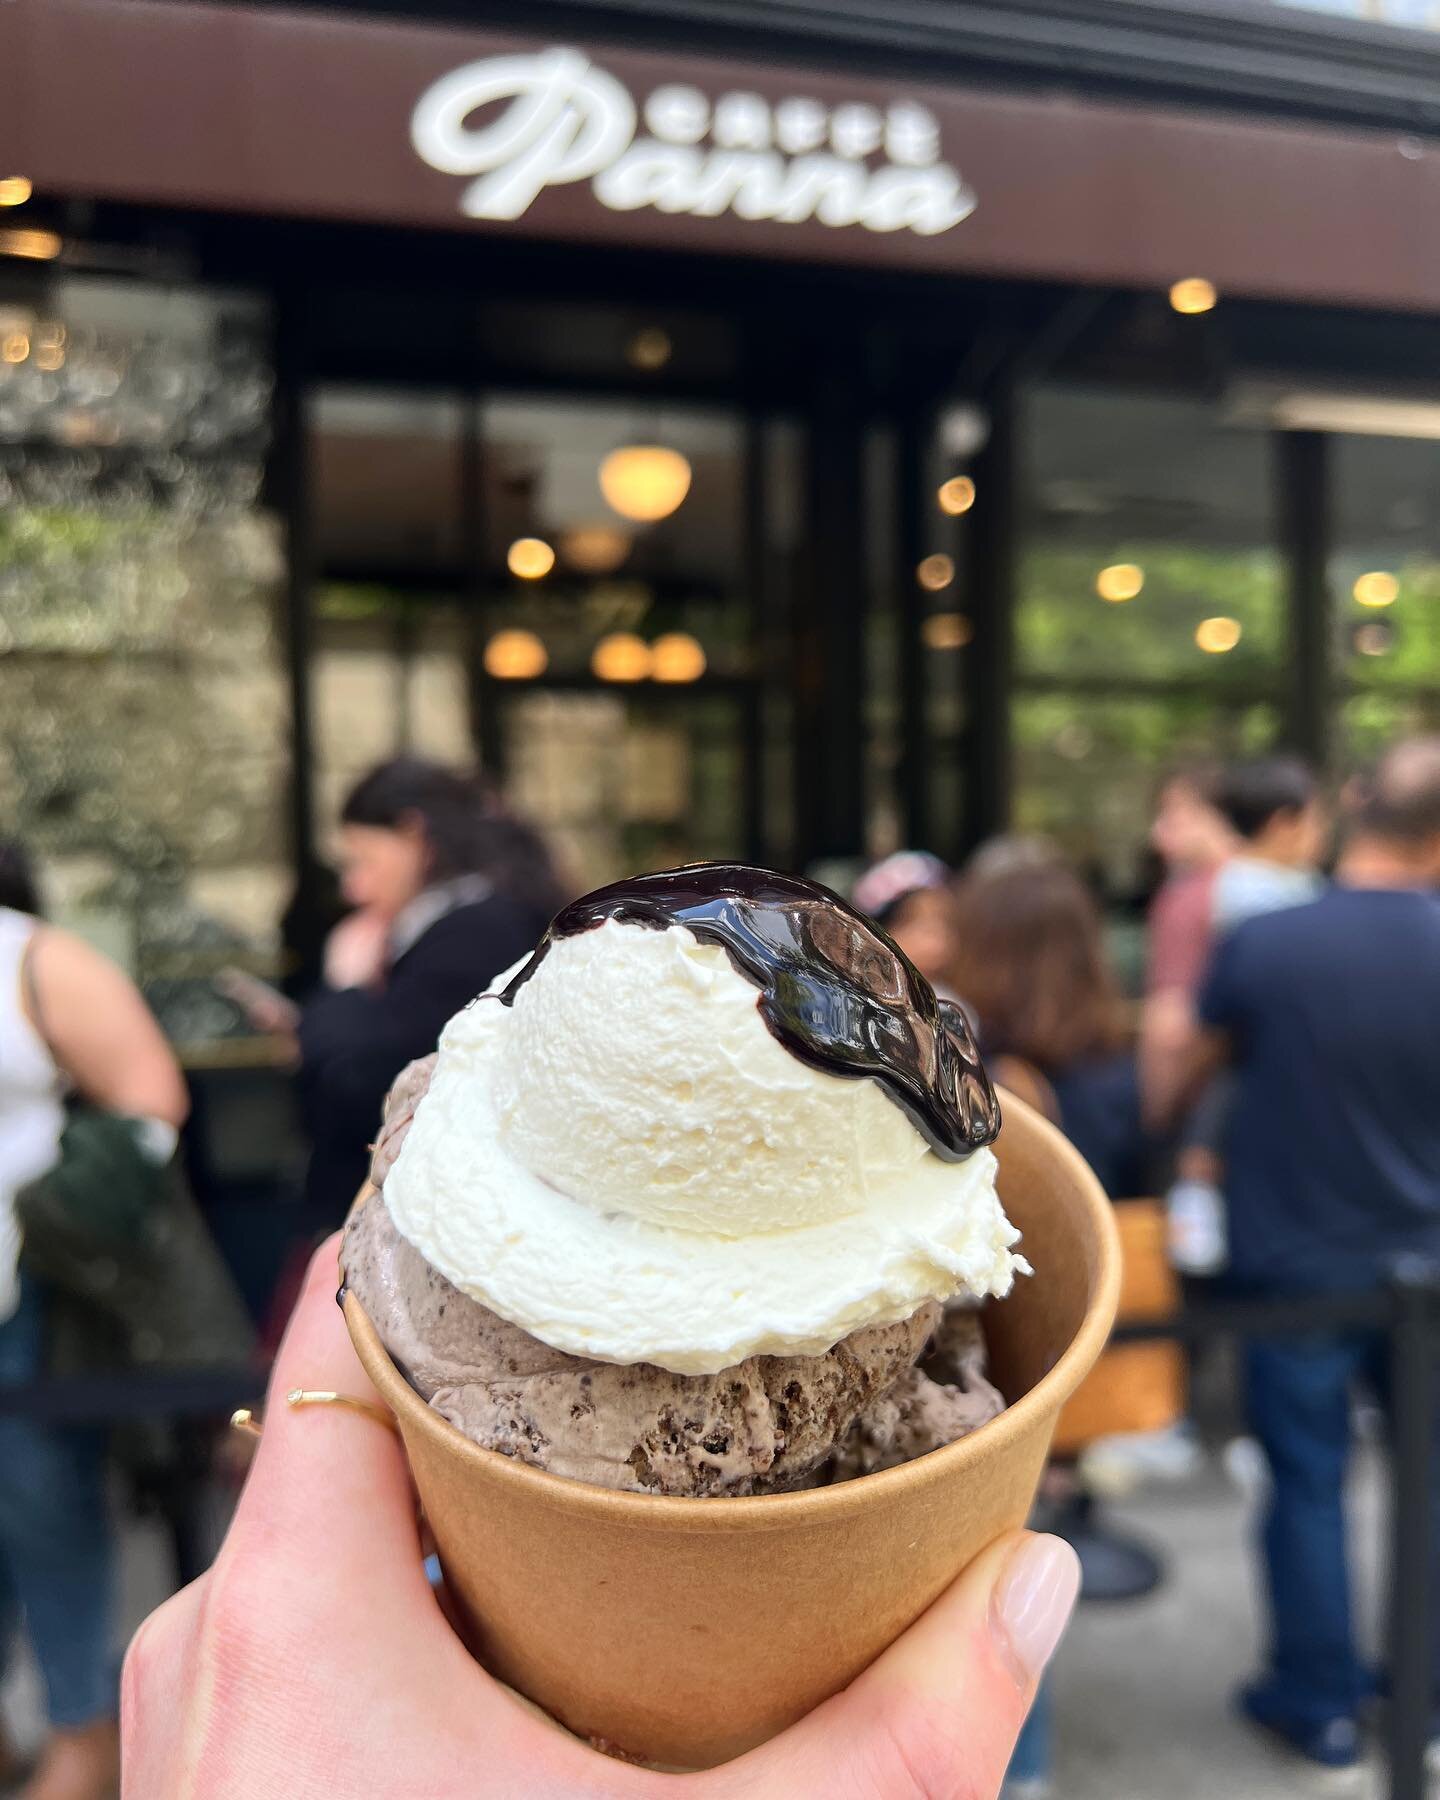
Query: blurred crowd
column 1274, row 1081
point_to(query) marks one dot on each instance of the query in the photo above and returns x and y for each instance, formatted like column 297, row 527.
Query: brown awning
column 320, row 115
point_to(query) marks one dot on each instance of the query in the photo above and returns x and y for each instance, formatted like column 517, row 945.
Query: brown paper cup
column 685, row 1631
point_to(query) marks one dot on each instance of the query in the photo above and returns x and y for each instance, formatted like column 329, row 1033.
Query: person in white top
column 69, row 1020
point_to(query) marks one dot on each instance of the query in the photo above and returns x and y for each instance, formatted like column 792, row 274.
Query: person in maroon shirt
column 1195, row 842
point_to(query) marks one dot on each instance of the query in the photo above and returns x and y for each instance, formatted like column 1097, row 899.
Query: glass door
column 619, row 657
column 586, row 593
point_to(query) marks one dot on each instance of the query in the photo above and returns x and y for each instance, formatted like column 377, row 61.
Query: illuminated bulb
column 946, row 631
column 645, row 481
column 1374, row 638
column 49, row 357
column 935, row 572
column 1074, row 741
column 1121, row 581
column 676, row 656
column 1216, row 636
column 1378, row 588
column 649, row 349
column 50, row 333
column 597, row 549
column 515, row 656
column 15, row 348
column 35, row 246
column 957, row 495
column 15, row 190
column 1193, row 295
column 621, row 657
column 530, row 558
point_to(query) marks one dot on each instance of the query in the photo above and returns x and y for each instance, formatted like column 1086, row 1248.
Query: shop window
column 144, row 753
column 1384, row 583
column 560, row 586
column 1086, row 767
column 618, row 624
column 1150, row 623
column 389, row 673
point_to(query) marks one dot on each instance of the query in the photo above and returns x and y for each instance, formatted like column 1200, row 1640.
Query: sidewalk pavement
column 1142, row 1690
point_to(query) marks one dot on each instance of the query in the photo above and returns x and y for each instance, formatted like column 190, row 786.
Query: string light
column 595, row 549
column 34, row 246
column 935, row 572
column 957, row 495
column 1216, row 636
column 1375, row 637
column 676, row 656
column 621, row 657
column 645, row 481
column 1193, row 295
column 1378, row 588
column 516, row 656
column 15, row 190
column 1121, row 581
column 946, row 631
column 529, row 558
column 649, row 349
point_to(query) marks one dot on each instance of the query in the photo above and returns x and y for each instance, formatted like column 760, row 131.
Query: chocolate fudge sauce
column 834, row 989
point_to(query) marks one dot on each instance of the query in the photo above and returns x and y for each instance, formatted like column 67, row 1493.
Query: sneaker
column 1328, row 1743
column 1115, row 1466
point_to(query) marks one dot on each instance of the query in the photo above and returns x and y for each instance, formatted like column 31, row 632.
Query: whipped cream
column 628, row 1165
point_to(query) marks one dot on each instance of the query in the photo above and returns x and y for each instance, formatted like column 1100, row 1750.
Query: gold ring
column 245, row 1420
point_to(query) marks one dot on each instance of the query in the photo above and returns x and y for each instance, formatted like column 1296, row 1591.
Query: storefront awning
column 320, row 115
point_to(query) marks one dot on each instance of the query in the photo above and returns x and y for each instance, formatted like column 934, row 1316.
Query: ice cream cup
column 684, row 1631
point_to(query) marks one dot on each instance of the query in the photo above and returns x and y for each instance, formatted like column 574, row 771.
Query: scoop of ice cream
column 627, row 1163
column 406, row 1093
column 946, row 1398
column 766, row 1425
column 639, row 1075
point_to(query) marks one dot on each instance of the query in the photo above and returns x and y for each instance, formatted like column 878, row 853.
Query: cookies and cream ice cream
column 683, row 1199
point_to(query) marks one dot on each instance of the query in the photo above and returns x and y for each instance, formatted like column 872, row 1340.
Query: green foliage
column 1064, row 628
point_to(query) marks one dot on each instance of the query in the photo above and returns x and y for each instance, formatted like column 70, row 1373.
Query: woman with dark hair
column 1031, row 964
column 424, row 864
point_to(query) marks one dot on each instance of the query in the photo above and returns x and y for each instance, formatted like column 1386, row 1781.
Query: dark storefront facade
column 782, row 435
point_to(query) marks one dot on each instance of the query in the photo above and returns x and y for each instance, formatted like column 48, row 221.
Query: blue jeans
column 56, row 1548
column 1298, row 1393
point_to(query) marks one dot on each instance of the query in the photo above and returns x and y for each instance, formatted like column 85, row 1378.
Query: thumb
column 937, row 1716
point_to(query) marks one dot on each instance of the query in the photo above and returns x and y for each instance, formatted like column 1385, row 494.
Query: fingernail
column 1032, row 1602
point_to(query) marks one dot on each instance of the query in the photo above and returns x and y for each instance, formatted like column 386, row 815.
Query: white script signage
column 554, row 118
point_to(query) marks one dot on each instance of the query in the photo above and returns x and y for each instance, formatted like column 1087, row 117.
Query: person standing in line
column 1280, row 826
column 1030, row 960
column 69, row 1018
column 1327, row 1015
column 1273, row 806
column 1194, row 842
column 1031, row 964
column 908, row 895
column 431, row 929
